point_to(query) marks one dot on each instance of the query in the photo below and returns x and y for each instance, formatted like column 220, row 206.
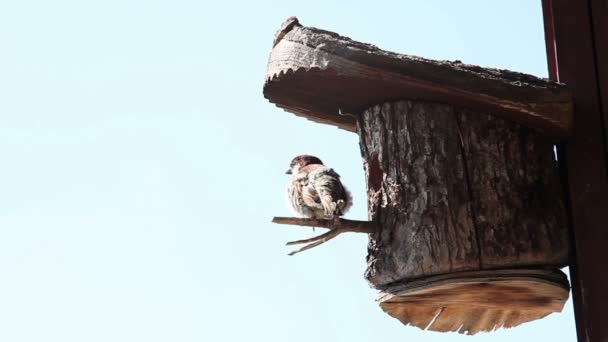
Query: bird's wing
column 307, row 193
column 325, row 182
column 311, row 197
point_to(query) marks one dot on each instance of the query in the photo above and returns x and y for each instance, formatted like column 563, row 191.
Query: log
column 454, row 190
column 316, row 74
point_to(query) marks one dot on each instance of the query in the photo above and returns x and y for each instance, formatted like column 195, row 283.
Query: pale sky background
column 141, row 166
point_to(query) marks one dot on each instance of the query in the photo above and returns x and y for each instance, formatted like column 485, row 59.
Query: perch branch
column 337, row 227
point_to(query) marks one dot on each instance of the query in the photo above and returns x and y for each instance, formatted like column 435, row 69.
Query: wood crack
column 467, row 177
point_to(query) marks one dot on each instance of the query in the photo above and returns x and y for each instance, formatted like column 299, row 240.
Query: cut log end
column 473, row 302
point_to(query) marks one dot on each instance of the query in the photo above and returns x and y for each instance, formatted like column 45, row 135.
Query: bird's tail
column 342, row 205
column 338, row 210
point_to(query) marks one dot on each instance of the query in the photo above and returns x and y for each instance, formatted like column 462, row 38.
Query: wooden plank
column 550, row 41
column 316, row 74
column 580, row 51
column 470, row 302
column 599, row 12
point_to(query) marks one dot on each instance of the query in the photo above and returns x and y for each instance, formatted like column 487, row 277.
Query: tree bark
column 455, row 190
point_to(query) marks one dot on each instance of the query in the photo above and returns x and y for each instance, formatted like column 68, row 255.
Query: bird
column 315, row 190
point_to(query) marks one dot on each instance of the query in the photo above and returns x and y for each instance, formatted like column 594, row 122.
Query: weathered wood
column 316, row 74
column 578, row 42
column 470, row 302
column 455, row 190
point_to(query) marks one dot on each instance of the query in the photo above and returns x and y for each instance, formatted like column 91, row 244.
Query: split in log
column 336, row 227
column 316, row 73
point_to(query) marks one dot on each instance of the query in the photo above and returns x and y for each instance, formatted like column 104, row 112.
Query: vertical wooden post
column 576, row 35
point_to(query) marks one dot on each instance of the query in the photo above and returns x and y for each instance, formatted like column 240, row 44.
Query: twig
column 337, row 227
column 344, row 224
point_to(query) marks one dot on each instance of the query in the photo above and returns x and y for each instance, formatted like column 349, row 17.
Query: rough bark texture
column 316, row 73
column 453, row 190
column 471, row 223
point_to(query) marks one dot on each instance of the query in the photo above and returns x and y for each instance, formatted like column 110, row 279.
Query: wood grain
column 316, row 73
column 579, row 41
column 472, row 302
column 454, row 190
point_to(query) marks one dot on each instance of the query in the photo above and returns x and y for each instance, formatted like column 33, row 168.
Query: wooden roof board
column 316, row 74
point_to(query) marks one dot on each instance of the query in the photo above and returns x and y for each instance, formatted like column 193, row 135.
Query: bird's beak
column 288, row 172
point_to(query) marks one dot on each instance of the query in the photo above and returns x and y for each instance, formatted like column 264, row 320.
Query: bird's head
column 301, row 161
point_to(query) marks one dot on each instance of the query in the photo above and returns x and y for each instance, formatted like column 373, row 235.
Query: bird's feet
column 336, row 223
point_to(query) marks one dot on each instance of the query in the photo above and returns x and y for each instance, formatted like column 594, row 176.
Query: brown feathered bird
column 315, row 190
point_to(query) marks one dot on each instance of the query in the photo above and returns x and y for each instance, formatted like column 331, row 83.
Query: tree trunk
column 454, row 190
column 468, row 197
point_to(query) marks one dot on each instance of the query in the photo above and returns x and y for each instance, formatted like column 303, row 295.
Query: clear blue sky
column 141, row 166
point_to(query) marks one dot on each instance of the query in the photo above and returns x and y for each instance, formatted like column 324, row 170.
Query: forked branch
column 336, row 227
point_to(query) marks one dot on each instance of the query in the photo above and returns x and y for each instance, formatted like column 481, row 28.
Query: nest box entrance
column 463, row 190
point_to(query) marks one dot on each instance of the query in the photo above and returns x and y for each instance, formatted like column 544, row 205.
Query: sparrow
column 315, row 190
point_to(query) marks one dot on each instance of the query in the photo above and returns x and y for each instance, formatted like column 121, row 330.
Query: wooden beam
column 599, row 13
column 580, row 43
column 317, row 74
